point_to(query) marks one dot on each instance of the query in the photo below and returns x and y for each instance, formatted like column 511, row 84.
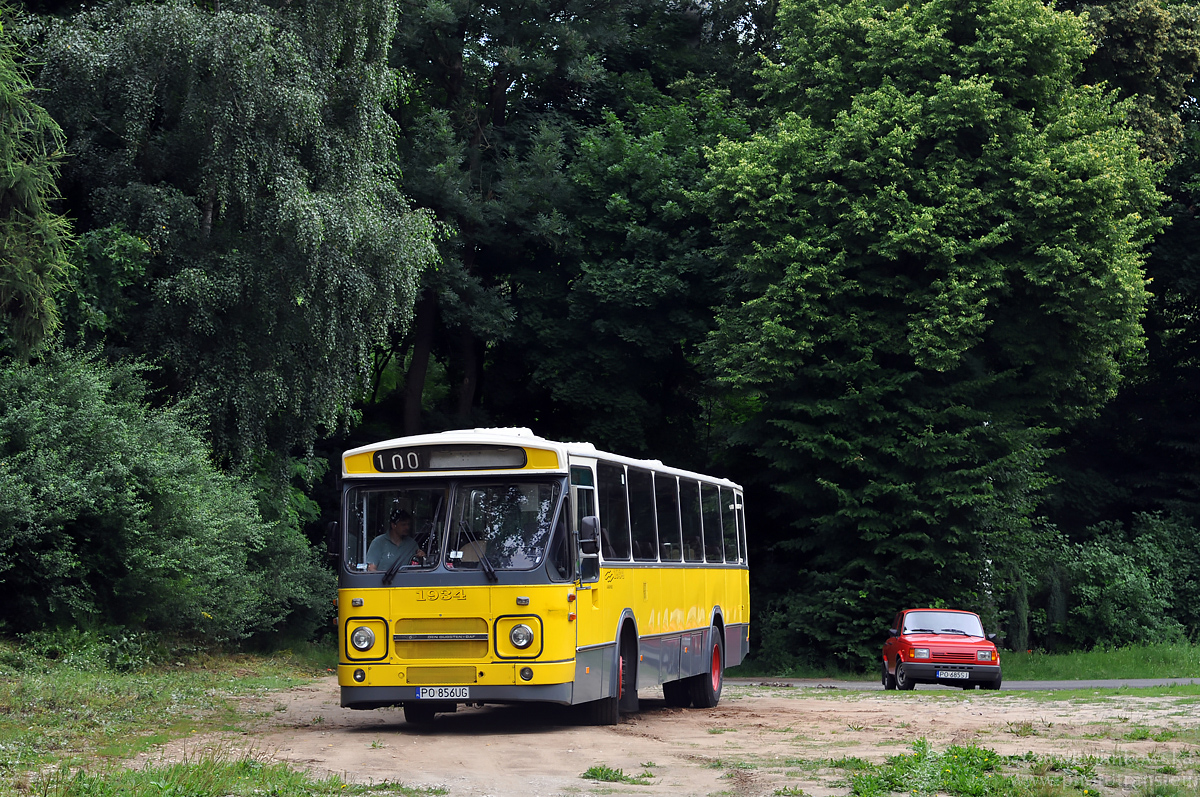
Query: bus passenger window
column 666, row 501
column 729, row 525
column 710, row 500
column 689, row 514
column 641, row 515
column 614, row 511
column 741, row 521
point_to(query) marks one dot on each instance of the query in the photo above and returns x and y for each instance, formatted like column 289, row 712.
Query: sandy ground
column 759, row 739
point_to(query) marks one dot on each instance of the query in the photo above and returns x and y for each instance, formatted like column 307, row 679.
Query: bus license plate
column 953, row 674
column 443, row 692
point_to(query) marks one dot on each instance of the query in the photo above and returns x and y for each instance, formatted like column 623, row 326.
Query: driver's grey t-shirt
column 383, row 552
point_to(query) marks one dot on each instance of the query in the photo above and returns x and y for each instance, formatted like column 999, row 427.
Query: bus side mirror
column 332, row 540
column 589, row 535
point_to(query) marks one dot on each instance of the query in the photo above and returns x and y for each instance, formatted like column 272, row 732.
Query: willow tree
column 35, row 240
column 941, row 246
column 252, row 151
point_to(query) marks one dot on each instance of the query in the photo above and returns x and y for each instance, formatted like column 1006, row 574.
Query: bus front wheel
column 706, row 687
column 627, row 677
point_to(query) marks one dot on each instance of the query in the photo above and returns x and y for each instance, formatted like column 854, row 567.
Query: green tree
column 113, row 515
column 503, row 96
column 610, row 321
column 251, row 150
column 35, row 241
column 941, row 246
column 1148, row 51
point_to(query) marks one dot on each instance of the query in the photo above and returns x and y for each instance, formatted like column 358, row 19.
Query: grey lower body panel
column 367, row 697
column 595, row 673
column 737, row 643
column 676, row 656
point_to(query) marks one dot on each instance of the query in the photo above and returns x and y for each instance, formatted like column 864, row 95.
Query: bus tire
column 627, row 677
column 677, row 694
column 706, row 687
column 603, row 712
column 419, row 713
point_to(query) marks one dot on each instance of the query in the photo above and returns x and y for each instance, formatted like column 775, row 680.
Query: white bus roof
column 521, row 437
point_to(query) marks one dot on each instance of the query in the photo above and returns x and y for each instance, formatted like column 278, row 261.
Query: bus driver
column 398, row 543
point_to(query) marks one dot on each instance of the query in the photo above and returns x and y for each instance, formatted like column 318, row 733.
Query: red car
column 939, row 646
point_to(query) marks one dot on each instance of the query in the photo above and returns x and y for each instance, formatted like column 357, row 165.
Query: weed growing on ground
column 211, row 777
column 607, row 774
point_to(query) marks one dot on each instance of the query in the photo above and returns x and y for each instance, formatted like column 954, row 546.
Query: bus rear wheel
column 706, row 687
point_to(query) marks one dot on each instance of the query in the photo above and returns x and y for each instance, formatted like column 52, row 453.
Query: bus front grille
column 441, row 676
column 441, row 638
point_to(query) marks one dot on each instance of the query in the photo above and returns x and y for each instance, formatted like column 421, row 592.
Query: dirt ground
column 761, row 738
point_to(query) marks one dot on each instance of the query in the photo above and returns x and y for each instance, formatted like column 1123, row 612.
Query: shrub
column 1125, row 583
column 112, row 514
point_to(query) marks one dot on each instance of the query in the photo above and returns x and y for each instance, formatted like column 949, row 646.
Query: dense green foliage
column 942, row 247
column 252, row 153
column 34, row 239
column 113, row 515
column 921, row 275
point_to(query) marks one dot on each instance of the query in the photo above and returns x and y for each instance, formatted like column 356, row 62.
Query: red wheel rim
column 716, row 668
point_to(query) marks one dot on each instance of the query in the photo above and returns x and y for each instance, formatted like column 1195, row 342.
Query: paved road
column 1019, row 686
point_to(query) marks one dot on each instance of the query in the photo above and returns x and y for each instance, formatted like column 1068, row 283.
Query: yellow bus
column 494, row 566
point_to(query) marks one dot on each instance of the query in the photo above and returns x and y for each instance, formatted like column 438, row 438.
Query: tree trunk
column 470, row 362
column 414, row 380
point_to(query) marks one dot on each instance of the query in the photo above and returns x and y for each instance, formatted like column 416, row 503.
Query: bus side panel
column 737, row 618
column 650, row 611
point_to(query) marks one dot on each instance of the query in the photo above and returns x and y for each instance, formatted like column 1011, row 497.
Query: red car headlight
column 984, row 655
column 920, row 653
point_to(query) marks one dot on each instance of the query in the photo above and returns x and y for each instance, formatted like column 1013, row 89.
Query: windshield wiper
column 920, row 631
column 488, row 570
column 392, row 571
column 954, row 631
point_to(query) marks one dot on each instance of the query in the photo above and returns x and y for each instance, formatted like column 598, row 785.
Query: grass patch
column 210, row 777
column 1145, row 661
column 53, row 711
column 606, row 774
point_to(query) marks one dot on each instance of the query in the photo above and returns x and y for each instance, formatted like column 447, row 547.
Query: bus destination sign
column 434, row 458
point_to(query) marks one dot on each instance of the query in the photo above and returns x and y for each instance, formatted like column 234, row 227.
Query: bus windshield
column 508, row 524
column 504, row 525
column 396, row 525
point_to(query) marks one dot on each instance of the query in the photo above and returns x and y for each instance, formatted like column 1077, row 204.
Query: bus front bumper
column 368, row 697
column 493, row 682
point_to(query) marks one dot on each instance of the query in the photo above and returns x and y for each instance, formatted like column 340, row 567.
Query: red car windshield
column 933, row 622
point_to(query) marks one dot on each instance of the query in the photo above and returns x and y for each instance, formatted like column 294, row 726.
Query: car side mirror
column 991, row 637
column 589, row 535
column 893, row 632
column 332, row 539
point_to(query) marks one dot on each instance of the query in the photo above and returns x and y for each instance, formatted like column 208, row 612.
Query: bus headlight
column 362, row 638
column 521, row 636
